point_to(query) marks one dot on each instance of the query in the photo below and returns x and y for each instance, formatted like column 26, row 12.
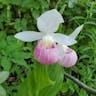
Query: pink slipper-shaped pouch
column 69, row 59
column 46, row 55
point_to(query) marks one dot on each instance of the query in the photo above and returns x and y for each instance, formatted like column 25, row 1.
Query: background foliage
column 17, row 57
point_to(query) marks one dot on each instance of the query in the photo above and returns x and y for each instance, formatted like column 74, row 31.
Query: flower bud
column 69, row 59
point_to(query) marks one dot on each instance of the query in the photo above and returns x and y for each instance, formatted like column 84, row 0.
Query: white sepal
column 49, row 21
column 76, row 32
column 63, row 39
column 28, row 36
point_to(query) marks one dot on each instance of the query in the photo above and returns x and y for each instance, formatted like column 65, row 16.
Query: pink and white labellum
column 70, row 58
column 46, row 51
column 46, row 55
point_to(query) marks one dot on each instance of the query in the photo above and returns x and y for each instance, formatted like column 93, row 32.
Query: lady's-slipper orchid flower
column 70, row 57
column 46, row 51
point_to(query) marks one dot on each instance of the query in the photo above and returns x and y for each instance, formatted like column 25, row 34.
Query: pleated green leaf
column 43, row 80
column 56, row 74
column 36, row 80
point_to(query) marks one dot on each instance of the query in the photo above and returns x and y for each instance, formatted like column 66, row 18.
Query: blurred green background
column 17, row 57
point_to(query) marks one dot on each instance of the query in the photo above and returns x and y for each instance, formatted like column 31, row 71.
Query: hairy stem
column 82, row 85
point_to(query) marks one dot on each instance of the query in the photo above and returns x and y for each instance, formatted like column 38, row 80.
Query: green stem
column 57, row 4
column 82, row 85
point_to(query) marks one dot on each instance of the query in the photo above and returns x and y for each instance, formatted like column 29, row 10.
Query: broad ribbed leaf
column 43, row 80
column 56, row 74
column 36, row 80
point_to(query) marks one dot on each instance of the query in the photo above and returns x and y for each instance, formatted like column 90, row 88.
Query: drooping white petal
column 63, row 39
column 76, row 32
column 28, row 36
column 61, row 50
column 49, row 21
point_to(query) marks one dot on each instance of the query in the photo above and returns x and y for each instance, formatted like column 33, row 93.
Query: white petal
column 61, row 51
column 63, row 39
column 49, row 21
column 76, row 32
column 28, row 36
